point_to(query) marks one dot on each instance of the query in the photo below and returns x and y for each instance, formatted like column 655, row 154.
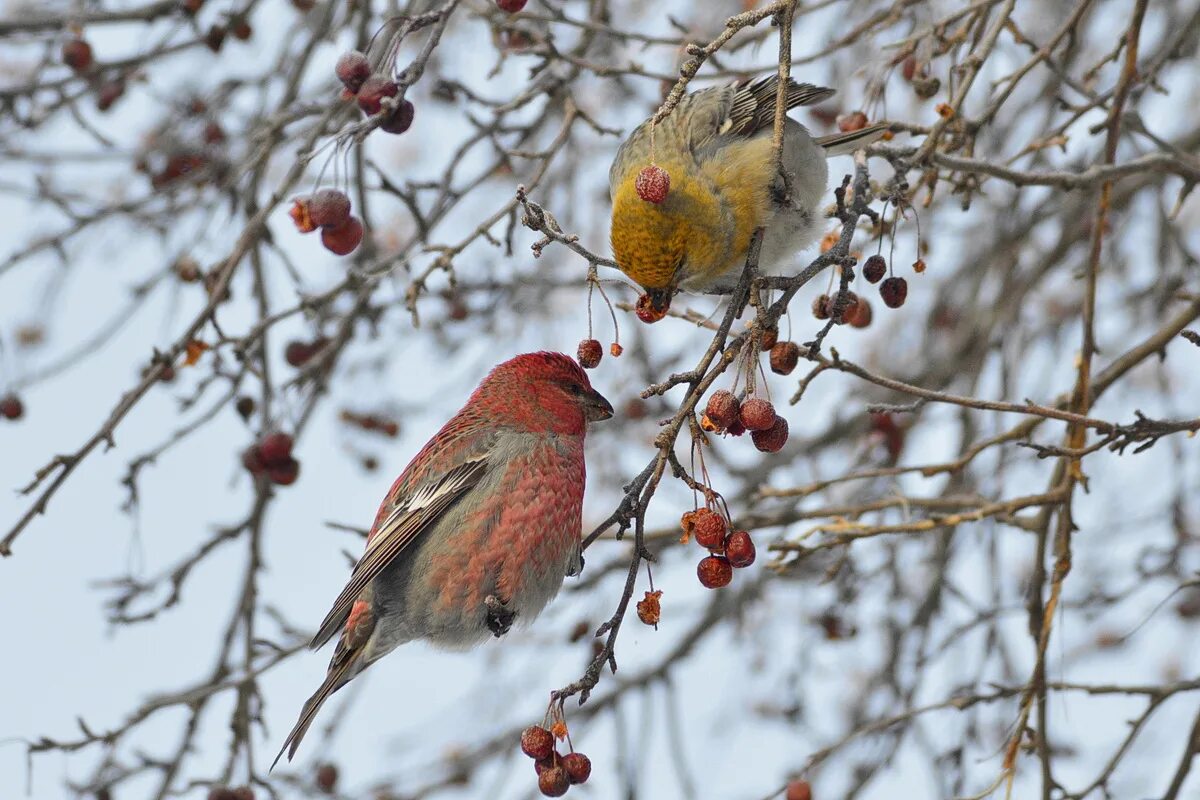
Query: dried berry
column 841, row 309
column 372, row 92
column 352, row 69
column 773, row 438
column 710, row 529
column 894, row 291
column 926, row 88
column 77, row 54
column 544, row 764
column 646, row 311
column 275, row 448
column 615, row 349
column 329, row 208
column 736, row 429
column 297, row 353
column 244, row 406
column 399, row 120
column 578, row 767
column 589, row 353
column 784, row 357
column 537, row 742
column 11, row 407
column 919, row 266
column 798, row 790
column 757, row 414
column 862, row 314
column 688, row 523
column 553, row 782
column 723, row 408
column 649, row 611
column 215, row 38
column 652, row 184
column 768, row 338
column 854, row 121
column 820, row 306
column 300, row 215
column 343, row 239
column 875, row 268
column 739, row 549
column 327, row 776
column 714, row 572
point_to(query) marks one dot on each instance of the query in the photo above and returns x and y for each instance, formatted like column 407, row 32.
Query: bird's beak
column 660, row 299
column 596, row 407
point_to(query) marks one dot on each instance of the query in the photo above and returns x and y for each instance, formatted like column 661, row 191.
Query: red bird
column 479, row 530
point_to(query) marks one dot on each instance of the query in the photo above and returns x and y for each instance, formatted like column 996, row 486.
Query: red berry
column 723, row 408
column 854, row 121
column 714, row 572
column 77, row 54
column 578, row 767
column 739, row 549
column 511, row 6
column 372, row 92
column 343, row 239
column 736, row 429
column 327, row 776
column 537, row 742
column 784, row 357
column 652, row 184
column 400, row 119
column 767, row 339
column 11, row 407
column 757, row 414
column 842, row 315
column 252, row 460
column 798, row 790
column 874, row 268
column 352, row 69
column 773, row 438
column 589, row 353
column 329, row 208
column 709, row 529
column 615, row 349
column 820, row 307
column 275, row 448
column 109, row 93
column 646, row 311
column 300, row 215
column 862, row 315
column 553, row 782
column 894, row 290
column 298, row 353
column 285, row 472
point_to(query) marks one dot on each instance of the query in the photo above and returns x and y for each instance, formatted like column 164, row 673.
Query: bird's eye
column 575, row 388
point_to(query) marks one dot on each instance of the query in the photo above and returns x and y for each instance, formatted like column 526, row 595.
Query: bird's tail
column 839, row 144
column 336, row 678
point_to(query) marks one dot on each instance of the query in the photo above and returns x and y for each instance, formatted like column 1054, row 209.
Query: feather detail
column 754, row 104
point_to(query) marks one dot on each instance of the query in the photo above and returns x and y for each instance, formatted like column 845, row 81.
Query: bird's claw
column 499, row 617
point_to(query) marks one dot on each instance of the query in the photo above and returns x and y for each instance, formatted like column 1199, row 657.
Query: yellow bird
column 724, row 183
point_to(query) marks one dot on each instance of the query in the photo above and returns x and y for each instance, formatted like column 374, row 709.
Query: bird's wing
column 412, row 514
column 753, row 107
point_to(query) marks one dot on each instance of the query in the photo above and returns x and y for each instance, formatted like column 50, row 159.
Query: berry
column 578, row 767
column 919, row 266
column 11, row 407
column 926, row 88
column 862, row 315
column 854, row 121
column 241, row 28
column 327, row 775
column 329, row 208
column 298, row 353
column 784, row 357
column 798, row 790
column 77, row 54
column 842, row 316
column 739, row 549
column 243, row 793
column 736, row 429
column 757, row 414
column 768, row 338
column 652, row 184
column 910, row 68
column 649, row 611
column 646, row 311
column 245, row 406
column 723, row 409
column 894, row 291
column 589, row 353
column 820, row 306
column 773, row 438
column 221, row 793
column 511, row 6
column 372, row 92
column 710, row 529
column 714, row 572
column 275, row 448
column 299, row 213
column 400, row 119
column 285, row 472
column 109, row 93
column 343, row 239
column 553, row 782
column 615, row 349
column 874, row 269
column 537, row 742
column 215, row 38
column 252, row 460
column 191, row 7
column 352, row 69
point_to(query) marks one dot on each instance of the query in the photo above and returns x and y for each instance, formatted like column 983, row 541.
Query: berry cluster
column 329, row 210
column 370, row 89
column 893, row 290
column 272, row 456
column 556, row 773
column 727, row 549
column 855, row 310
column 725, row 413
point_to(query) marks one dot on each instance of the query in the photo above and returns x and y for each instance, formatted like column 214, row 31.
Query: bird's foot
column 499, row 618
